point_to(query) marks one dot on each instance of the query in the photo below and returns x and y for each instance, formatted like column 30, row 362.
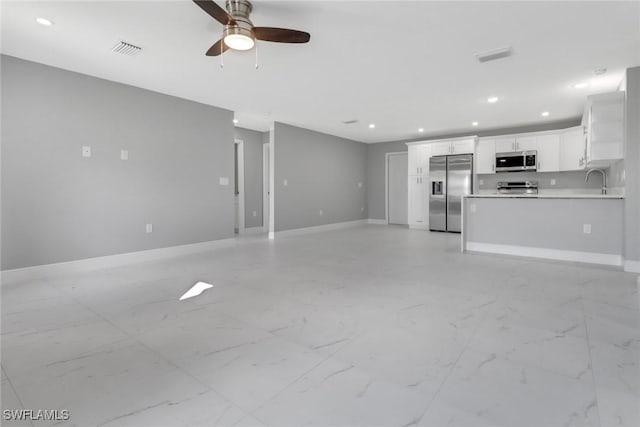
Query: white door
column 397, row 187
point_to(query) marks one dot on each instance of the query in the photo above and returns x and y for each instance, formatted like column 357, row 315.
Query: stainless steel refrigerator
column 450, row 178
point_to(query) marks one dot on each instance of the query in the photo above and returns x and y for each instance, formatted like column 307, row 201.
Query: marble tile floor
column 370, row 326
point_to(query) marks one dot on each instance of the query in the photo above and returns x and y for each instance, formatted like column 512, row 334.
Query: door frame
column 240, row 166
column 386, row 180
column 265, row 186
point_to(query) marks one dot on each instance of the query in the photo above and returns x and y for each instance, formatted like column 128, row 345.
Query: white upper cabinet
column 485, row 157
column 572, row 149
column 526, row 143
column 548, row 147
column 604, row 121
column 461, row 146
column 418, row 156
column 505, row 144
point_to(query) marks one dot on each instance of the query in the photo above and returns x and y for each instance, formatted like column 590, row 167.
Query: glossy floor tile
column 369, row 326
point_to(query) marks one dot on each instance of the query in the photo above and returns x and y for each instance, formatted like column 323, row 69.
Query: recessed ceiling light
column 44, row 21
column 235, row 121
column 580, row 85
column 421, row 130
column 474, row 124
column 545, row 114
column 492, row 100
column 372, row 125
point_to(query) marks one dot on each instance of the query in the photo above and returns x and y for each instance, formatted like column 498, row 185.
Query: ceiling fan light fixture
column 238, row 37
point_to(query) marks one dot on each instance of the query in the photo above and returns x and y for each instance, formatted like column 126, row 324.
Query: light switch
column 359, row 185
column 124, row 154
column 285, row 182
column 321, row 213
column 149, row 228
column 255, row 213
column 224, row 180
column 553, row 182
column 472, row 207
column 481, row 181
column 86, row 151
column 586, row 228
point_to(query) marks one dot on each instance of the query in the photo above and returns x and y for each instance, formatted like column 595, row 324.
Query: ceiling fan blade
column 217, row 48
column 215, row 11
column 281, row 35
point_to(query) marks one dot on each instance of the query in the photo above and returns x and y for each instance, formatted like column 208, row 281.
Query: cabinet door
column 548, row 153
column 423, row 159
column 505, row 145
column 462, row 147
column 526, row 143
column 485, row 157
column 572, row 150
column 414, row 160
column 417, row 202
column 440, row 148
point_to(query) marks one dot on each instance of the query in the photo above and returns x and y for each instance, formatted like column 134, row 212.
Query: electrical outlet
column 224, row 180
column 362, row 209
column 586, row 228
column 255, row 213
column 359, row 185
column 86, row 151
column 285, row 182
column 553, row 182
column 481, row 181
column 149, row 228
column 472, row 207
column 124, row 154
column 321, row 213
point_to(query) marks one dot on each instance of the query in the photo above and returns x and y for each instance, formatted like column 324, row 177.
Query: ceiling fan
column 239, row 32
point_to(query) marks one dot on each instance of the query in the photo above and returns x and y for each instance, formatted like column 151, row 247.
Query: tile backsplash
column 573, row 180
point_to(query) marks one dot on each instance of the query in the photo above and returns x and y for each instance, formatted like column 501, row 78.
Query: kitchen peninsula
column 567, row 227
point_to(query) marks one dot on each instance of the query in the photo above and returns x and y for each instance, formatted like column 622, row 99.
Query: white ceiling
column 400, row 65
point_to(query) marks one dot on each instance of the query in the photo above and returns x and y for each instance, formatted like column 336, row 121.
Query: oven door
column 506, row 162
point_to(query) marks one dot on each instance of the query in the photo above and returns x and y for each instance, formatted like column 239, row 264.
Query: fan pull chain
column 221, row 56
column 257, row 56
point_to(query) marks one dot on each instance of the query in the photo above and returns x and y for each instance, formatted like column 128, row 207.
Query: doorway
column 397, row 188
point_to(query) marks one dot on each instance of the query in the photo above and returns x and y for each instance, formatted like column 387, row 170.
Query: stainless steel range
column 518, row 187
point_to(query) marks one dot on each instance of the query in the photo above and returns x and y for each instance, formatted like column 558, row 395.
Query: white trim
column 110, row 261
column 554, row 254
column 632, row 267
column 240, row 165
column 253, row 230
column 377, row 221
column 272, row 181
column 265, row 186
column 418, row 227
column 386, row 182
column 319, row 228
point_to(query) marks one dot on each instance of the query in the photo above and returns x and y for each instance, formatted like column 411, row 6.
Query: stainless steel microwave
column 517, row 161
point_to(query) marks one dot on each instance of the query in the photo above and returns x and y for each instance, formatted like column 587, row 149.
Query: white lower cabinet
column 573, row 149
column 418, row 217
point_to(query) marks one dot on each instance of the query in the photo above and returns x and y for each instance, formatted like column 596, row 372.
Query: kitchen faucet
column 604, row 178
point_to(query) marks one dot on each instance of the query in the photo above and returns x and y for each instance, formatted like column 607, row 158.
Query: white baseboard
column 109, row 261
column 377, row 221
column 253, row 230
column 418, row 227
column 318, row 228
column 632, row 266
column 553, row 254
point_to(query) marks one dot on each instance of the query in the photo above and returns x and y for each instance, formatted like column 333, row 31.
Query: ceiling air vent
column 125, row 48
column 492, row 55
column 350, row 122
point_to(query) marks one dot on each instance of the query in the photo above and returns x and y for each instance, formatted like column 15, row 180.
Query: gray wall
column 537, row 223
column 323, row 173
column 252, row 175
column 632, row 165
column 376, row 156
column 58, row 206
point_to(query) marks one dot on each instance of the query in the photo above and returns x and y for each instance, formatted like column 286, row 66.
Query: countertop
column 545, row 196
